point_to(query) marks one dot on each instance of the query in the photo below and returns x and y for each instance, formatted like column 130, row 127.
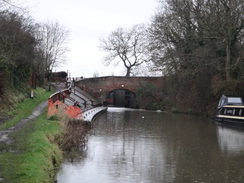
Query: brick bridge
column 117, row 90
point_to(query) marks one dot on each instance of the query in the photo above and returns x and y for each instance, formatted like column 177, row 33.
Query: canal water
column 136, row 146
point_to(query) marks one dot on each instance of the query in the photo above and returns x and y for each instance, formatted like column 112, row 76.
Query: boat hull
column 230, row 121
column 231, row 115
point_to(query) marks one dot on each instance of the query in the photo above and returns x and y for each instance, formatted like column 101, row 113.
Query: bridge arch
column 100, row 87
column 121, row 98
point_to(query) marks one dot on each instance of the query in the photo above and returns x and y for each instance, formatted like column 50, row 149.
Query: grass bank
column 34, row 156
column 36, row 151
column 24, row 108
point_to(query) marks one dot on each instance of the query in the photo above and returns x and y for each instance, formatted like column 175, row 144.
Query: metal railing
column 83, row 102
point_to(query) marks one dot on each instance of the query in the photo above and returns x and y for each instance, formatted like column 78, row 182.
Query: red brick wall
column 99, row 87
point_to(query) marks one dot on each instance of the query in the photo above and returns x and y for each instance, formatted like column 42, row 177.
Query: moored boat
column 230, row 111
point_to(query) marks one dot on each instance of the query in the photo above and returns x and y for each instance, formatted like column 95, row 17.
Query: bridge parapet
column 99, row 87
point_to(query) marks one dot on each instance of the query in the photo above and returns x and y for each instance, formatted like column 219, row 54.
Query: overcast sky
column 87, row 20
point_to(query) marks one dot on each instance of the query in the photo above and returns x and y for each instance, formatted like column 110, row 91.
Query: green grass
column 25, row 108
column 34, row 156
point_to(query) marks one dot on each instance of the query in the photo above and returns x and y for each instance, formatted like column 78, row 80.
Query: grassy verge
column 25, row 108
column 34, row 155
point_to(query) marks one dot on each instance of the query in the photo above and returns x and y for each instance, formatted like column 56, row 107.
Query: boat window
column 234, row 100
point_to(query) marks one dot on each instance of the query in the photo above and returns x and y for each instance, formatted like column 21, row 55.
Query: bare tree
column 191, row 35
column 13, row 6
column 96, row 74
column 162, row 51
column 229, row 16
column 7, row 4
column 52, row 47
column 126, row 46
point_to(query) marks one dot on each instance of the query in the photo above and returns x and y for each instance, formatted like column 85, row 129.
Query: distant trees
column 190, row 35
column 7, row 4
column 126, row 46
column 27, row 47
column 17, row 44
column 51, row 47
column 146, row 96
column 198, row 45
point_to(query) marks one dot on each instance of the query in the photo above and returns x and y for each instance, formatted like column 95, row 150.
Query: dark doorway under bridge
column 121, row 98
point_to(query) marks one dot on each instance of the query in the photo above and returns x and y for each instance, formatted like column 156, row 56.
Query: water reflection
column 141, row 146
column 231, row 140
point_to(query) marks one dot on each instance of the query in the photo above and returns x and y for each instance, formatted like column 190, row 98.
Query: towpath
column 89, row 115
column 36, row 112
column 4, row 134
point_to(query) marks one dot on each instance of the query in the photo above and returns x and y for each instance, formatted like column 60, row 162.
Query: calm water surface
column 131, row 146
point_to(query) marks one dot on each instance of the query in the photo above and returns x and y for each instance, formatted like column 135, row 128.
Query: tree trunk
column 128, row 71
column 227, row 63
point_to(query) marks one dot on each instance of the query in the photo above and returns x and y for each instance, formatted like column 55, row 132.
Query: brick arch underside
column 121, row 98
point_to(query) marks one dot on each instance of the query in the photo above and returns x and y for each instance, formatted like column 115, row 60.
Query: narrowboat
column 230, row 111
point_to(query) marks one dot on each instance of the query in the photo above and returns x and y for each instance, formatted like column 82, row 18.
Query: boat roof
column 234, row 100
column 229, row 100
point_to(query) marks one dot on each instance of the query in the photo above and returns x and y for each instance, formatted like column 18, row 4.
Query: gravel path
column 4, row 138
